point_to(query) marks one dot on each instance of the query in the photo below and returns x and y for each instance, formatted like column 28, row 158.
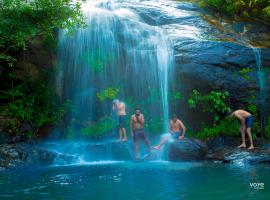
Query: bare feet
column 124, row 140
column 181, row 137
column 242, row 146
column 157, row 147
column 251, row 147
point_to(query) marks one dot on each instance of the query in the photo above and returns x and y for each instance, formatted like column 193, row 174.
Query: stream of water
column 261, row 81
column 117, row 56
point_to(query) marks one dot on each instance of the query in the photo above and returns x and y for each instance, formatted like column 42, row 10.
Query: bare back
column 241, row 114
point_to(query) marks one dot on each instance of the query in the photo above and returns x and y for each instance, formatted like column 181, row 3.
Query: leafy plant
column 175, row 96
column 245, row 72
column 267, row 129
column 22, row 21
column 34, row 103
column 98, row 128
column 252, row 108
column 214, row 102
column 244, row 8
column 108, row 93
column 228, row 126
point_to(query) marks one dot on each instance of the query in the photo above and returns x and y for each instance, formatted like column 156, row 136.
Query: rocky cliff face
column 210, row 52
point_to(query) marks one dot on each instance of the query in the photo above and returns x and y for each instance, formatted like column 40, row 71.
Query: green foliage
column 99, row 128
column 154, row 125
column 267, row 129
column 228, row 126
column 245, row 72
column 252, row 108
column 175, row 96
column 266, row 11
column 214, row 102
column 31, row 102
column 21, row 21
column 244, row 8
column 108, row 93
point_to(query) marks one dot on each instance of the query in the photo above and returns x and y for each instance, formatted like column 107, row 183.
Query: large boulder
column 24, row 155
column 225, row 149
column 122, row 150
column 220, row 142
column 247, row 157
column 186, row 150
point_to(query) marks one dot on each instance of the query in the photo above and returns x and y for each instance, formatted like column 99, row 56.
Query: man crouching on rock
column 137, row 131
column 246, row 120
column 176, row 127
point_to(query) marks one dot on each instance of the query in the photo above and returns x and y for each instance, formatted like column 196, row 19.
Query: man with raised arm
column 120, row 109
column 137, row 131
column 176, row 127
column 246, row 120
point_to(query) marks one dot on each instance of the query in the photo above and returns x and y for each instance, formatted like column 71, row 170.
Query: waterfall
column 261, row 81
column 119, row 56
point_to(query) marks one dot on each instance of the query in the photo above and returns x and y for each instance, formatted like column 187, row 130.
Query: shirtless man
column 176, row 126
column 137, row 131
column 120, row 108
column 246, row 120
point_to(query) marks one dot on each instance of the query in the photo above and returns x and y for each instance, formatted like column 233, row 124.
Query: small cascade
column 261, row 81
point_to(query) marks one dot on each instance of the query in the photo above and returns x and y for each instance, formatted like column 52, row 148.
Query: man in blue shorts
column 246, row 120
column 120, row 108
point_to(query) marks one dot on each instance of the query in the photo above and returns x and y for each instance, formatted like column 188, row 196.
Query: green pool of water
column 158, row 180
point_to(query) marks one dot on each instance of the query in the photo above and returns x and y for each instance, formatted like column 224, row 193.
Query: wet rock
column 216, row 65
column 186, row 149
column 221, row 142
column 24, row 155
column 224, row 149
column 96, row 151
column 245, row 156
column 26, row 127
column 122, row 150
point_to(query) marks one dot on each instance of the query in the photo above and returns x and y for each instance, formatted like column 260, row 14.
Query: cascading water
column 117, row 55
column 261, row 81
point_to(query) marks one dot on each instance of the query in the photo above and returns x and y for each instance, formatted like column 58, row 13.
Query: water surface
column 137, row 180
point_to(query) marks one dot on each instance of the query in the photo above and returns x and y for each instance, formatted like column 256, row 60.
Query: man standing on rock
column 246, row 120
column 120, row 109
column 176, row 127
column 137, row 131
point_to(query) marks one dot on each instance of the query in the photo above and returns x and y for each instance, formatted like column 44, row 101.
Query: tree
column 23, row 20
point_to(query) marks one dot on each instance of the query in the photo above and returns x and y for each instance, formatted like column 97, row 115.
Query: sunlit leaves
column 246, row 8
column 21, row 21
column 245, row 72
column 108, row 93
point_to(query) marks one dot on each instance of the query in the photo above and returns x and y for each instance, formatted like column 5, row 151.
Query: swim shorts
column 249, row 121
